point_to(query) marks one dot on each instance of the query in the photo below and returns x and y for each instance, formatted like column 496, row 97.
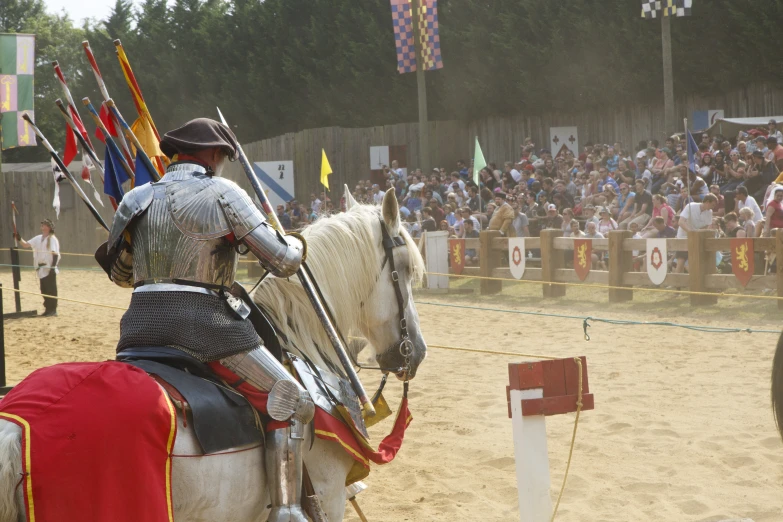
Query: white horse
column 347, row 259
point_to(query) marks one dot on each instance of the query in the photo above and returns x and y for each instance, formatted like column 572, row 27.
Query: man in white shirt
column 515, row 174
column 744, row 200
column 46, row 257
column 377, row 195
column 695, row 216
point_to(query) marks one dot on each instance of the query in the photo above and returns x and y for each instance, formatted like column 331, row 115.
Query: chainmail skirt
column 198, row 324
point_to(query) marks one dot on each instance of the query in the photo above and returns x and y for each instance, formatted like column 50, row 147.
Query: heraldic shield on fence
column 742, row 263
column 656, row 260
column 457, row 255
column 516, row 256
column 583, row 252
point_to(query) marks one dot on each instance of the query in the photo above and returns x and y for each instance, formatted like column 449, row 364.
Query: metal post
column 424, row 131
column 668, row 78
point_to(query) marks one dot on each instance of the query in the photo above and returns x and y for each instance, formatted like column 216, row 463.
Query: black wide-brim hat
column 199, row 134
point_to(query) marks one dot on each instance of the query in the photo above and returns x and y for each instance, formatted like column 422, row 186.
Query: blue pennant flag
column 114, row 172
column 143, row 175
column 693, row 149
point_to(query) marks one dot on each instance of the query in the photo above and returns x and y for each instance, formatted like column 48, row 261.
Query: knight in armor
column 177, row 243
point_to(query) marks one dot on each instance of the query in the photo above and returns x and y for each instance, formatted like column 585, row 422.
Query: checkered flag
column 651, row 8
column 684, row 7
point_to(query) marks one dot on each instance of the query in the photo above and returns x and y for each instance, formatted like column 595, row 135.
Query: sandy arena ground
column 682, row 429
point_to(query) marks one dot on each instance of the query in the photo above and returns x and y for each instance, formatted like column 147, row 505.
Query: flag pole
column 105, row 131
column 104, row 92
column 65, row 171
column 687, row 146
column 86, row 146
column 140, row 152
column 668, row 81
column 421, row 83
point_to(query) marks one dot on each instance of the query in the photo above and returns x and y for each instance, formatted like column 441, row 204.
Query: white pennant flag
column 87, row 166
column 657, row 256
column 516, row 256
column 58, row 177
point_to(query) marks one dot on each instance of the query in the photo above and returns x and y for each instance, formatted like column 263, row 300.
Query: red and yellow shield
column 742, row 259
column 583, row 251
column 457, row 255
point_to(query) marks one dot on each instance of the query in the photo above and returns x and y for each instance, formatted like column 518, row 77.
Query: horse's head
column 389, row 318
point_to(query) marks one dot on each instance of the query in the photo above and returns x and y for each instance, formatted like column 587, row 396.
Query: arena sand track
column 682, row 429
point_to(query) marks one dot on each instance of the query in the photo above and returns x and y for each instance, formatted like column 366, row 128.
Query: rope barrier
column 585, row 319
column 610, row 287
column 67, row 299
column 573, row 438
column 30, row 251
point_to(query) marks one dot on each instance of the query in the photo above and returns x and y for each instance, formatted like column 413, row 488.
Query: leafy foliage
column 276, row 66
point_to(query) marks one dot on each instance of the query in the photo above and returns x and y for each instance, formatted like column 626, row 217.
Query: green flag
column 478, row 163
column 17, row 66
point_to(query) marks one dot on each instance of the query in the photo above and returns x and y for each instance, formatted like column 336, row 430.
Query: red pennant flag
column 457, row 255
column 742, row 262
column 70, row 145
column 583, row 252
column 107, row 120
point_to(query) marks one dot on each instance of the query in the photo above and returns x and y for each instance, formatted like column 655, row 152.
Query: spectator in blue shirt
column 606, row 179
column 282, row 215
column 612, row 160
column 463, row 170
column 413, row 201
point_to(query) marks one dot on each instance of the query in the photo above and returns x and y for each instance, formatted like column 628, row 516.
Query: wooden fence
column 348, row 149
column 701, row 278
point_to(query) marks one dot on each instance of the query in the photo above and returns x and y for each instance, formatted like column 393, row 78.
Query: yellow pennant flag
column 143, row 131
column 326, row 169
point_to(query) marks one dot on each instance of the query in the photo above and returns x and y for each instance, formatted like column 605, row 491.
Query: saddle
column 222, row 418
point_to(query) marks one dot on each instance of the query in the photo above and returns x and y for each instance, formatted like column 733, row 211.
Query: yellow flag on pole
column 326, row 169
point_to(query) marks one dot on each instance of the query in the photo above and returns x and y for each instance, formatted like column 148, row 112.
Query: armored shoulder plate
column 207, row 208
column 133, row 204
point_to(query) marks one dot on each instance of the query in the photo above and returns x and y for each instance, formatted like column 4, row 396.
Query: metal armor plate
column 204, row 207
column 314, row 382
column 134, row 203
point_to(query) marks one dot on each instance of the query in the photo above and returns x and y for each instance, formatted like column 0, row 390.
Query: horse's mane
column 345, row 256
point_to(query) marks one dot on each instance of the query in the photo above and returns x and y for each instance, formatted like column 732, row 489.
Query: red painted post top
column 559, row 379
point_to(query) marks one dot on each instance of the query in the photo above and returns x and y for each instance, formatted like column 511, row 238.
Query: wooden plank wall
column 348, row 151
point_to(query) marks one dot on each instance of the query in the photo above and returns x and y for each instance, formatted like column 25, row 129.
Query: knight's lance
column 140, row 153
column 309, row 289
column 96, row 117
column 85, row 145
column 64, row 169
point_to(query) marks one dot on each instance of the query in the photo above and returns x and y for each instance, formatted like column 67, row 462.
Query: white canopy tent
column 729, row 127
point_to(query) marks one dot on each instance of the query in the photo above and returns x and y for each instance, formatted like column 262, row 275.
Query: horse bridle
column 404, row 344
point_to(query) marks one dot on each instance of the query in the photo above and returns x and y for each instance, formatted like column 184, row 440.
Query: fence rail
column 620, row 279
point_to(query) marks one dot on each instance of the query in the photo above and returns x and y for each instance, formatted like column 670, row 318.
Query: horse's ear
column 391, row 212
column 349, row 201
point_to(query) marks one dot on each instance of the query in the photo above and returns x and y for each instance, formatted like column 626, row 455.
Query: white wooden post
column 532, row 459
column 437, row 248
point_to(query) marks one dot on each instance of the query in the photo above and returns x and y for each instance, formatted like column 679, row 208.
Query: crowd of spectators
column 651, row 190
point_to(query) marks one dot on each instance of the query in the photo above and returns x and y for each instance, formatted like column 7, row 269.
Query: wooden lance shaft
column 309, row 288
column 140, row 152
column 107, row 136
column 85, row 146
column 64, row 169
